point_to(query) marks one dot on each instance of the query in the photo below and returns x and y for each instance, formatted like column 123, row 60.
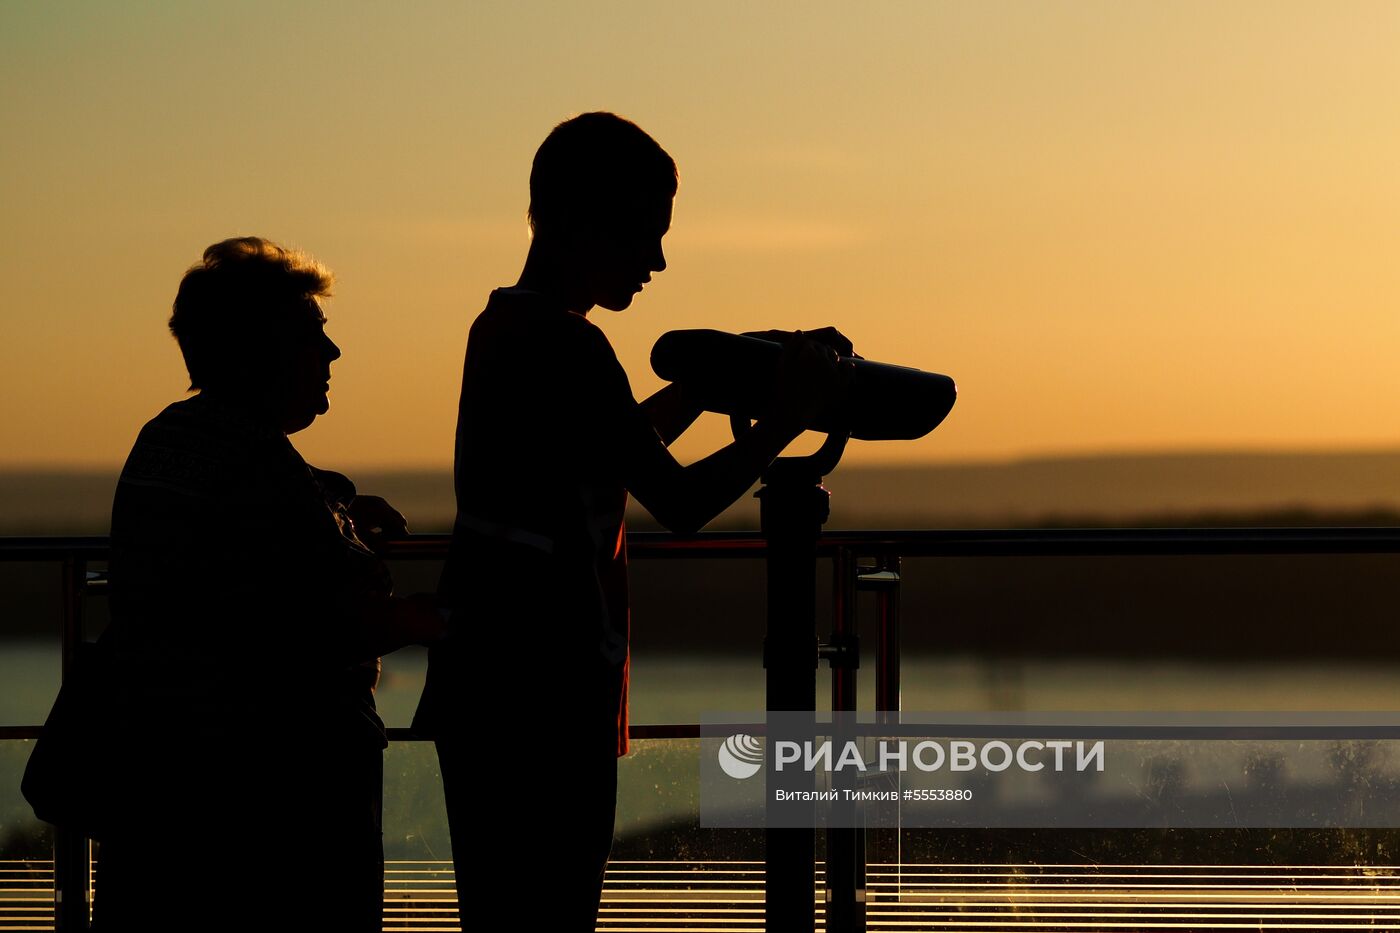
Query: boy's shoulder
column 514, row 313
column 535, row 306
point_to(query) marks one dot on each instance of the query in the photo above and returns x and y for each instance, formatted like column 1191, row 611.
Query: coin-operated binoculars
column 734, row 375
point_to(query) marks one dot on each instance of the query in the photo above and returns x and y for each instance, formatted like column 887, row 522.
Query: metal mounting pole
column 793, row 507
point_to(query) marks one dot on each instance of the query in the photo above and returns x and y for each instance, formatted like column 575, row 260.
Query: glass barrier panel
column 26, row 849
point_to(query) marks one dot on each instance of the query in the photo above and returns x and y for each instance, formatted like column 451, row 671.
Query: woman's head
column 248, row 321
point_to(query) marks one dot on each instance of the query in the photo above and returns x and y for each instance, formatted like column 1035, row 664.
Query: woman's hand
column 376, row 521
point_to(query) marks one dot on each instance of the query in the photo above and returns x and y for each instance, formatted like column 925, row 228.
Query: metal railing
column 862, row 561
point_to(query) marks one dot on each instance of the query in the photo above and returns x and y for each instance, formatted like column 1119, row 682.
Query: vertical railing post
column 884, row 581
column 845, row 851
column 72, row 851
column 887, row 616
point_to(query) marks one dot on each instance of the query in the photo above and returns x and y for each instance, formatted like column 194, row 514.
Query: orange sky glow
column 1118, row 225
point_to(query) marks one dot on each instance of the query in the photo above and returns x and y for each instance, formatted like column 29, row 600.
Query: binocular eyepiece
column 733, row 375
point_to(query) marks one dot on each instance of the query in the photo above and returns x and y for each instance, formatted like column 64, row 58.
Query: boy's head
column 601, row 192
column 596, row 166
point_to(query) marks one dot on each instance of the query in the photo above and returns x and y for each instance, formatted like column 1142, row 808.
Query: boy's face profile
column 619, row 254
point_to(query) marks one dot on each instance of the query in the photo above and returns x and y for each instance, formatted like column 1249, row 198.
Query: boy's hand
column 827, row 335
column 810, row 379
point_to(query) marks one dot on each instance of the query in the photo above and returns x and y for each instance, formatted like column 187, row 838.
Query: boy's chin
column 617, row 302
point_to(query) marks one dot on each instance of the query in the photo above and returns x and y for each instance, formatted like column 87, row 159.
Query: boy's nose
column 332, row 351
column 658, row 262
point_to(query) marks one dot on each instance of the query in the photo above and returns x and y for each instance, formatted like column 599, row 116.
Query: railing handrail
column 953, row 542
column 72, row 853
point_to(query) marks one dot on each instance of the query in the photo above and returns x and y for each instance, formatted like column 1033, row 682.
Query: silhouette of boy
column 527, row 698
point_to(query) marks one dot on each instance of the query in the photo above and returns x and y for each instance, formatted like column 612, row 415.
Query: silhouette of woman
column 248, row 616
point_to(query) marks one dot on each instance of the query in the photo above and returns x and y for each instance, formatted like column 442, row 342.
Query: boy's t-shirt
column 548, row 436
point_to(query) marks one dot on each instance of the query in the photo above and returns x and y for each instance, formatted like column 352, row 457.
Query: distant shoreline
column 1166, row 488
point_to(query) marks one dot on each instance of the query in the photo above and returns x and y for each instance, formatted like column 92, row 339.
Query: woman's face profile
column 302, row 359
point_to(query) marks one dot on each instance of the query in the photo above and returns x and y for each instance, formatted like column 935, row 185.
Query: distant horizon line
column 1126, row 453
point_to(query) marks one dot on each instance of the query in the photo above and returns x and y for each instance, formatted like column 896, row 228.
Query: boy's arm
column 685, row 498
column 671, row 412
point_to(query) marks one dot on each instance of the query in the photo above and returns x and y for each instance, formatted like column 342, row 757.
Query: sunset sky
column 1119, row 226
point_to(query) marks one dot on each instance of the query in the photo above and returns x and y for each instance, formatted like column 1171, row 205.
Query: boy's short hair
column 229, row 302
column 597, row 166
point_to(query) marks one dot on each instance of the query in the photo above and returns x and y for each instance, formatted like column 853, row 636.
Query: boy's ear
column 552, row 226
column 574, row 227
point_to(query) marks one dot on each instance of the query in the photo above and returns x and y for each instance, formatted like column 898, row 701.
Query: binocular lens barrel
column 734, row 375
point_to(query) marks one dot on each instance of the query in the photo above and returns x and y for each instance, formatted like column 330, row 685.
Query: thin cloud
column 764, row 234
column 811, row 158
column 716, row 234
column 468, row 231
